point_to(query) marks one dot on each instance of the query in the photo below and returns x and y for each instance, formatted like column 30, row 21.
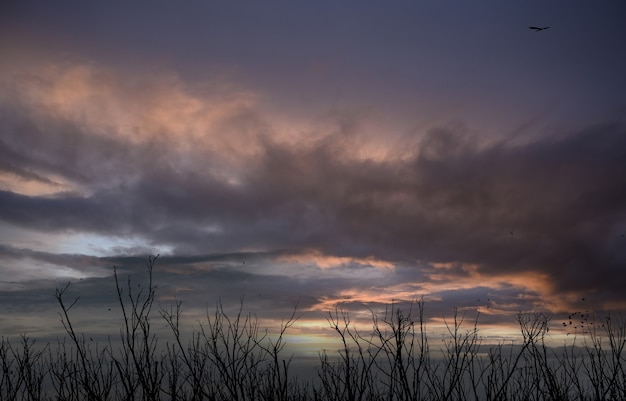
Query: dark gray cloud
column 554, row 205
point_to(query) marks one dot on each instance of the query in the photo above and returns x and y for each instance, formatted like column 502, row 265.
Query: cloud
column 211, row 170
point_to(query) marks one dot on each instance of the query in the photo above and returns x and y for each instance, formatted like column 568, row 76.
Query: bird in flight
column 538, row 28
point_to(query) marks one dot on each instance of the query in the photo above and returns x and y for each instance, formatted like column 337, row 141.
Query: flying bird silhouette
column 538, row 28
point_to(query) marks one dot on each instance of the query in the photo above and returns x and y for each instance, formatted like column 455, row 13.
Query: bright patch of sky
column 101, row 245
column 82, row 243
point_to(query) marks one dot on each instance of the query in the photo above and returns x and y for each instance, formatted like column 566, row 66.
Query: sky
column 317, row 154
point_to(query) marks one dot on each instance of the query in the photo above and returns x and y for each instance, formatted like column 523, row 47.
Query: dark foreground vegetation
column 232, row 358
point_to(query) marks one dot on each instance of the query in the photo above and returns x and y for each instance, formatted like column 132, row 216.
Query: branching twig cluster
column 230, row 357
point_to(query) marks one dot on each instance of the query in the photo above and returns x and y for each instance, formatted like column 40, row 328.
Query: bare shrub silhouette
column 230, row 357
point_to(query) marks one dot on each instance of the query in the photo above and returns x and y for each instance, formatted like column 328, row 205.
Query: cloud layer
column 209, row 169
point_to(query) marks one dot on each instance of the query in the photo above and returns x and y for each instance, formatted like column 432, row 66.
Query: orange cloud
column 34, row 186
column 329, row 261
column 216, row 127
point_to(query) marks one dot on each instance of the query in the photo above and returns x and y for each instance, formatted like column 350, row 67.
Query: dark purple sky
column 348, row 152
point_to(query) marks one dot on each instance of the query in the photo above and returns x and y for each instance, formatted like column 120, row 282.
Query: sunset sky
column 317, row 152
